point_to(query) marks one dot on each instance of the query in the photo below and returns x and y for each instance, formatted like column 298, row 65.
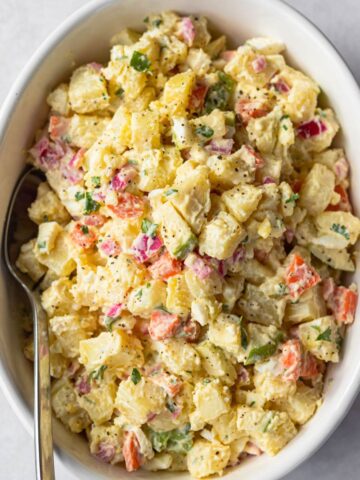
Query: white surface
column 24, row 25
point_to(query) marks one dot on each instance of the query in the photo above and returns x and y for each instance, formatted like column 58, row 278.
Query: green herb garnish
column 84, row 229
column 41, row 245
column 259, row 353
column 325, row 336
column 98, row 374
column 341, row 230
column 140, row 62
column 292, row 198
column 156, row 23
column 135, row 376
column 181, row 252
column 79, row 196
column 149, row 228
column 204, row 131
column 119, row 92
column 108, row 322
column 90, row 204
column 171, row 191
column 218, row 95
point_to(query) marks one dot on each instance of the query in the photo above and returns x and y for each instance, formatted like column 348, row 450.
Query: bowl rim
column 12, row 395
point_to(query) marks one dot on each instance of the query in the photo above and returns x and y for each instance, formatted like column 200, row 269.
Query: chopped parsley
column 219, row 95
column 96, row 181
column 84, row 229
column 183, row 250
column 139, row 294
column 341, row 230
column 177, row 441
column 135, row 376
column 79, row 196
column 259, row 353
column 204, row 131
column 292, row 198
column 281, row 289
column 98, row 374
column 325, row 336
column 108, row 322
column 119, row 92
column 90, row 204
column 171, row 191
column 243, row 334
column 149, row 228
column 140, row 62
column 171, row 406
column 162, row 308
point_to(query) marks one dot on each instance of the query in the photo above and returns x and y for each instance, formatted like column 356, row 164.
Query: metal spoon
column 17, row 230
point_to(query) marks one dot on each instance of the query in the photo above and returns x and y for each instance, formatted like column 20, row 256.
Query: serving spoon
column 17, row 230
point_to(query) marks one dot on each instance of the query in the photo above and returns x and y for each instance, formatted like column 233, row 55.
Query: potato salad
column 193, row 229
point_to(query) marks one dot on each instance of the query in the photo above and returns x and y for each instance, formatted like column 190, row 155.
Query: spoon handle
column 44, row 459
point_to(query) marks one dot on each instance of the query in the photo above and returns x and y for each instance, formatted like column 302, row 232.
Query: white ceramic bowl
column 83, row 38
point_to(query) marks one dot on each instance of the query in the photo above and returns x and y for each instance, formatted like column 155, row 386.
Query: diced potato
column 99, row 402
column 144, row 299
column 47, row 207
column 178, row 299
column 177, row 92
column 204, row 310
column 216, row 121
column 225, row 333
column 310, row 305
column 179, row 357
column 321, row 337
column 182, row 132
column 257, row 307
column 261, row 343
column 317, row 189
column 176, row 233
column 158, row 168
column 232, row 288
column 223, row 226
column 57, row 298
column 60, row 259
column 288, row 199
column 215, row 363
column 145, row 130
column 337, row 259
column 270, row 386
column 192, row 199
column 251, row 398
column 137, row 401
column 198, row 60
column 266, row 45
column 122, row 230
column 300, row 102
column 214, row 48
column 58, row 99
column 206, row 458
column 161, row 461
column 320, row 142
column 69, row 333
column 339, row 224
column 117, row 135
column 47, row 235
column 117, row 350
column 198, row 288
column 302, row 405
column 241, row 201
column 107, row 435
column 87, row 90
column 211, row 399
column 85, row 129
column 225, row 427
column 66, row 407
column 28, row 263
column 227, row 171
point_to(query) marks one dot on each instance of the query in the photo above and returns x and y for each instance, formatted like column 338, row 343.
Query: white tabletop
column 24, row 24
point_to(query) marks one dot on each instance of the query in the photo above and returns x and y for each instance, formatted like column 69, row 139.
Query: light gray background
column 24, row 24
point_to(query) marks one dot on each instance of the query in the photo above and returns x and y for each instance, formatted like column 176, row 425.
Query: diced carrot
column 344, row 202
column 197, row 97
column 310, row 366
column 300, row 276
column 296, row 364
column 249, row 109
column 94, row 219
column 290, row 360
column 163, row 325
column 58, row 127
column 131, row 452
column 129, row 206
column 165, row 267
column 83, row 236
column 343, row 304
